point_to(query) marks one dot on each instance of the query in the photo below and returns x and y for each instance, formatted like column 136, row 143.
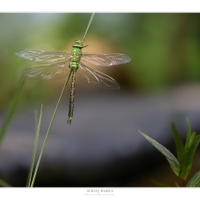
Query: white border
column 99, row 193
column 100, row 6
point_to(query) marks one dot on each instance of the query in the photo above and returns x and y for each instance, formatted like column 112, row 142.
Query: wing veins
column 47, row 72
column 93, row 76
column 40, row 56
column 105, row 60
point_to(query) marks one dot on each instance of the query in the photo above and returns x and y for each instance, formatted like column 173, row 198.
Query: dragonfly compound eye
column 78, row 44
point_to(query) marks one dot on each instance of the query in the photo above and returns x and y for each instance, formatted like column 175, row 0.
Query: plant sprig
column 181, row 165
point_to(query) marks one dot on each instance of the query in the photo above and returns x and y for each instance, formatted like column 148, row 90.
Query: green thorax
column 76, row 54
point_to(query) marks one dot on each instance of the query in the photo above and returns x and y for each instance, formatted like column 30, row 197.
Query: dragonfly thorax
column 75, row 58
column 76, row 54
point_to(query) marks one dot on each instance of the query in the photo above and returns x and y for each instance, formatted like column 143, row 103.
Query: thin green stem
column 48, row 131
column 11, row 110
column 88, row 26
column 35, row 147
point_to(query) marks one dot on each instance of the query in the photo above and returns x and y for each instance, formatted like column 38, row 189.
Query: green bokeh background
column 164, row 47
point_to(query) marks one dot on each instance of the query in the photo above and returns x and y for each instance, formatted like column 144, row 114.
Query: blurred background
column 102, row 147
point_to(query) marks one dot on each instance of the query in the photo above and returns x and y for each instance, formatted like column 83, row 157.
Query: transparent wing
column 105, row 60
column 47, row 72
column 44, row 56
column 91, row 76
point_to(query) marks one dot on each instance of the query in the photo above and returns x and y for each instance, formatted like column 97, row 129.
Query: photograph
column 99, row 104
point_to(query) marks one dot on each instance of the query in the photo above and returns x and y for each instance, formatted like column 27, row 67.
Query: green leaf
column 194, row 181
column 177, row 185
column 191, row 144
column 190, row 136
column 185, row 153
column 179, row 144
column 189, row 154
column 173, row 162
column 159, row 184
column 4, row 184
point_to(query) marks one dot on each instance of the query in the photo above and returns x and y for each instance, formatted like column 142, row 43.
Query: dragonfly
column 75, row 64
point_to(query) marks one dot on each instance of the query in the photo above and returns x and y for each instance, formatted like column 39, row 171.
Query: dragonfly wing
column 91, row 76
column 47, row 72
column 105, row 60
column 41, row 56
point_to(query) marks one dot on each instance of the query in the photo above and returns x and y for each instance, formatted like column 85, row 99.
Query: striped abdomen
column 71, row 98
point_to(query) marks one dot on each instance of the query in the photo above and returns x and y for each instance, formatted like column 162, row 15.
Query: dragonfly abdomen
column 76, row 56
column 74, row 66
column 71, row 98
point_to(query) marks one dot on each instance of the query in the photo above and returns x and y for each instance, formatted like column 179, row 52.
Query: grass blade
column 28, row 184
column 48, row 131
column 11, row 110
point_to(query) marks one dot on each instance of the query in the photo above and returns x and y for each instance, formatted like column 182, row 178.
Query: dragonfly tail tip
column 69, row 121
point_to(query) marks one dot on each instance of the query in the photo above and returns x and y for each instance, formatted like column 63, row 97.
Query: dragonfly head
column 78, row 44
